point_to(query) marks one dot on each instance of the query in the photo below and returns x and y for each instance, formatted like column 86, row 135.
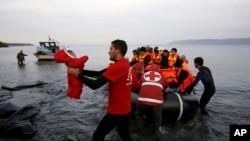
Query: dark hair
column 156, row 51
column 199, row 61
column 121, row 45
column 178, row 63
column 165, row 50
column 150, row 49
column 156, row 48
column 174, row 49
column 143, row 49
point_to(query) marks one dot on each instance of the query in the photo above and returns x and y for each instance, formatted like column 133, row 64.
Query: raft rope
column 181, row 106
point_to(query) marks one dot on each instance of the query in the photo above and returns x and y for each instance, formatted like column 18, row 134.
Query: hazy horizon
column 135, row 21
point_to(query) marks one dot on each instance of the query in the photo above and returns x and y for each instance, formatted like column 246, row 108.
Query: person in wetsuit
column 206, row 78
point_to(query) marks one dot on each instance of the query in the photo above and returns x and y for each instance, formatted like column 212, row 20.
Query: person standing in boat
column 184, row 60
column 20, row 57
column 183, row 74
column 150, row 98
column 119, row 80
column 164, row 59
column 173, row 56
column 206, row 78
column 135, row 57
column 145, row 58
column 157, row 57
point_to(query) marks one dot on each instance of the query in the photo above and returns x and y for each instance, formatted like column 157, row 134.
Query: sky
column 135, row 21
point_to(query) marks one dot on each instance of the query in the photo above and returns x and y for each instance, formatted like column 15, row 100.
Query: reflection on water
column 63, row 119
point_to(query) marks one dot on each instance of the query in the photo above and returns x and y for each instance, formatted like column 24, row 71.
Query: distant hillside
column 3, row 44
column 20, row 44
column 234, row 41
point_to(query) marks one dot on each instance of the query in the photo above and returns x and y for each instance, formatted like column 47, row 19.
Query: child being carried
column 68, row 57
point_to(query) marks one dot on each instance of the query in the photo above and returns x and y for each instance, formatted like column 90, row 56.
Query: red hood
column 63, row 56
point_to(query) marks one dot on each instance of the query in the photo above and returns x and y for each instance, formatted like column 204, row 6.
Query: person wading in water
column 20, row 58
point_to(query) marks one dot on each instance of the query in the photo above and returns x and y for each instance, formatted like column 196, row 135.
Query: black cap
column 178, row 63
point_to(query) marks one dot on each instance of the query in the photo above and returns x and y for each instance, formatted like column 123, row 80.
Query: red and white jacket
column 153, row 84
column 74, row 85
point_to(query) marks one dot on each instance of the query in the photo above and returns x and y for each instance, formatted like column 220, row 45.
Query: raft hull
column 175, row 107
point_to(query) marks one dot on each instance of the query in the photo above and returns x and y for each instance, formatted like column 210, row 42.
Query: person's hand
column 73, row 71
column 183, row 92
column 188, row 91
column 166, row 90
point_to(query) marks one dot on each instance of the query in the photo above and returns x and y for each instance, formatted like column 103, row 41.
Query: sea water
column 63, row 119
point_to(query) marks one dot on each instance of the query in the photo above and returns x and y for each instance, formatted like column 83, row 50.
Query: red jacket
column 136, row 84
column 151, row 92
column 74, row 85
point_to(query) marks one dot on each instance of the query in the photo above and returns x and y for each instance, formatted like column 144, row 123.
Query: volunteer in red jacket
column 150, row 98
column 69, row 58
column 119, row 92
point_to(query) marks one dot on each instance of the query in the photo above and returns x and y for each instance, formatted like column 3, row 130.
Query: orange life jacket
column 172, row 59
column 189, row 80
column 141, row 59
column 157, row 59
column 151, row 54
column 185, row 62
column 170, row 75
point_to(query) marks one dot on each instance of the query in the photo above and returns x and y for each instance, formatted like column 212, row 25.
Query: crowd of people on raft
column 171, row 64
column 174, row 69
column 154, row 73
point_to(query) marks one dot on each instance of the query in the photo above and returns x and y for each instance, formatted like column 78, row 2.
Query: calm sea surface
column 61, row 119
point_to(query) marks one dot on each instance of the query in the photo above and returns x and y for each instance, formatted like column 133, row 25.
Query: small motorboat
column 46, row 50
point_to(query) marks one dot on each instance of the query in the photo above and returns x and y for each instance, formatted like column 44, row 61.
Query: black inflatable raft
column 176, row 107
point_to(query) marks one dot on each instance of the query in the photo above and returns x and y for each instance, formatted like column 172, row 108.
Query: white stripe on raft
column 181, row 106
column 150, row 100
